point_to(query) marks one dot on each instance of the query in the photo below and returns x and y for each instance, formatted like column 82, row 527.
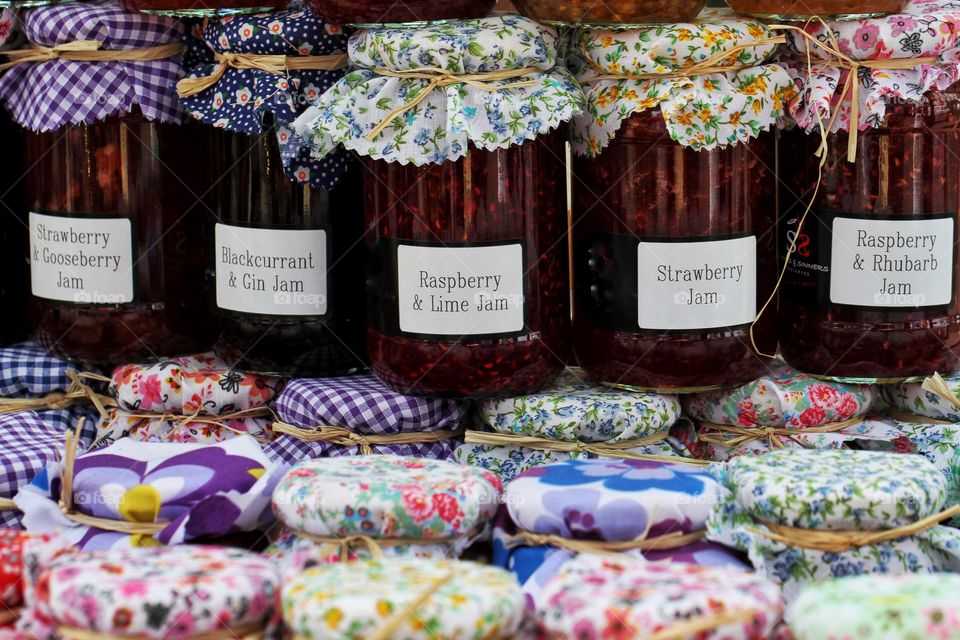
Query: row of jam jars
column 464, row 201
column 674, row 205
column 871, row 289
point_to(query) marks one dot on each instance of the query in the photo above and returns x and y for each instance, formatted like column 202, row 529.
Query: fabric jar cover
column 45, row 96
column 358, row 599
column 926, row 28
column 10, row 33
column 27, row 446
column 242, row 97
column 365, row 406
column 826, row 490
column 701, row 111
column 199, row 490
column 912, row 398
column 906, row 606
column 450, row 118
column 176, row 592
column 604, row 597
column 14, row 549
column 200, row 385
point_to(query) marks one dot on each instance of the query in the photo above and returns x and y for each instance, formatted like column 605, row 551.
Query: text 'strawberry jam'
column 469, row 285
column 870, row 293
column 376, row 12
column 826, row 9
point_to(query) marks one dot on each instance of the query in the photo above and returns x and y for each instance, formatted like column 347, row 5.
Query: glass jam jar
column 378, row 12
column 15, row 282
column 203, row 8
column 611, row 11
column 826, row 9
column 469, row 285
column 289, row 265
column 870, row 292
column 674, row 253
column 117, row 241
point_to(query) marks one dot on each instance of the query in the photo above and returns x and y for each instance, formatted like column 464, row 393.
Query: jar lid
column 242, row 96
column 358, row 599
column 873, row 607
column 831, row 490
column 175, row 592
column 47, row 95
column 708, row 99
column 784, row 398
column 425, row 95
column 912, row 398
column 630, row 598
column 386, row 497
column 27, row 446
column 926, row 31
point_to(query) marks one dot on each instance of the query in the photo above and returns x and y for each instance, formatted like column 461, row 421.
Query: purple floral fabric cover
column 27, row 446
column 45, row 96
column 926, row 28
column 242, row 97
column 199, row 490
column 364, row 405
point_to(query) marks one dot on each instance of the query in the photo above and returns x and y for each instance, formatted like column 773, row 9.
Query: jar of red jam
column 408, row 12
column 464, row 201
column 826, row 9
column 203, row 8
column 611, row 11
column 14, row 285
column 673, row 245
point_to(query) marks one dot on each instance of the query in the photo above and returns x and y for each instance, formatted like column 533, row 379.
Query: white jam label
column 83, row 260
column 455, row 291
column 697, row 285
column 892, row 263
column 280, row 272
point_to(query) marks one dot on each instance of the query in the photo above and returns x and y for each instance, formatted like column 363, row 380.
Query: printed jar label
column 696, row 285
column 454, row 291
column 280, row 272
column 892, row 263
column 81, row 259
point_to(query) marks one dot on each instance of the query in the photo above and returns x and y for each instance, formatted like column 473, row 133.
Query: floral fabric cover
column 242, row 97
column 200, row 385
column 926, row 28
column 175, row 592
column 454, row 117
column 43, row 96
column 199, row 490
column 911, row 397
column 906, row 606
column 10, row 29
column 363, row 405
column 356, row 600
column 13, row 544
column 597, row 596
column 700, row 111
column 833, row 491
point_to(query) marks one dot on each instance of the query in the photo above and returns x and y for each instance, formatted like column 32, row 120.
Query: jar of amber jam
column 611, row 11
column 871, row 290
column 826, row 9
column 289, row 265
column 117, row 240
column 407, row 12
column 203, row 8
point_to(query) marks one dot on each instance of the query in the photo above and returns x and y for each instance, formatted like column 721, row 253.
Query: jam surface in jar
column 870, row 293
column 289, row 265
column 611, row 11
column 201, row 8
column 674, row 253
column 804, row 9
column 469, row 286
column 117, row 240
column 374, row 12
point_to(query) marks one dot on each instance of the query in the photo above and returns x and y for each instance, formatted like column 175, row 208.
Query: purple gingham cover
column 27, row 446
column 45, row 96
column 366, row 406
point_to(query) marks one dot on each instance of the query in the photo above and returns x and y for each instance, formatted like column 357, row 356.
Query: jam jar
column 13, row 239
column 203, row 8
column 469, row 279
column 378, row 12
column 611, row 12
column 674, row 254
column 289, row 265
column 870, row 293
column 116, row 240
column 826, row 9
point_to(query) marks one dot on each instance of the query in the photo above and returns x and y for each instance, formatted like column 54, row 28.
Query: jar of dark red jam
column 826, row 9
column 289, row 265
column 203, row 8
column 117, row 240
column 469, row 277
column 15, row 282
column 611, row 12
column 871, row 291
column 408, row 12
column 674, row 253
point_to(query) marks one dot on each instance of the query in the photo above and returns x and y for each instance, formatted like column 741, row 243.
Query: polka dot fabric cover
column 242, row 97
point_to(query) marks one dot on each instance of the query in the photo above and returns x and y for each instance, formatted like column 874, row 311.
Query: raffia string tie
column 936, row 385
column 915, row 418
column 180, row 421
column 438, row 78
column 343, row 545
column 88, row 51
column 275, row 64
column 249, row 631
column 6, row 504
column 668, row 541
column 734, row 436
column 364, row 443
column 391, row 627
column 841, row 541
column 77, row 392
